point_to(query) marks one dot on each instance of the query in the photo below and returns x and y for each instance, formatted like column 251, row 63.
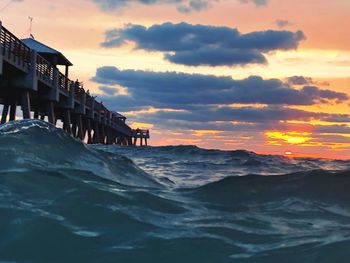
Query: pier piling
column 13, row 110
column 5, row 112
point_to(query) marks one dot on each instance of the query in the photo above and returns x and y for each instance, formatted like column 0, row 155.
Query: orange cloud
column 201, row 133
column 142, row 125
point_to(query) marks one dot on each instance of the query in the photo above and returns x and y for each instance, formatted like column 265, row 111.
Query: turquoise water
column 63, row 201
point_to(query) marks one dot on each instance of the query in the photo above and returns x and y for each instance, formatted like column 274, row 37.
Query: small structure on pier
column 30, row 78
column 53, row 56
column 143, row 135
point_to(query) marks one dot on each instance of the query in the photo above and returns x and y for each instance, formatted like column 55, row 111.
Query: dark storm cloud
column 183, row 6
column 185, row 91
column 195, row 45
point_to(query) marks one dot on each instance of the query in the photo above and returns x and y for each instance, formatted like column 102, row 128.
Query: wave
column 320, row 185
column 37, row 145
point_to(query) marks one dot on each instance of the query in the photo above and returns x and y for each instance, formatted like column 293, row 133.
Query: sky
column 267, row 76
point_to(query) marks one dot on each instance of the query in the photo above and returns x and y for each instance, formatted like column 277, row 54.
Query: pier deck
column 29, row 78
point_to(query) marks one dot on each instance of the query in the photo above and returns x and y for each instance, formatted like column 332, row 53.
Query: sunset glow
column 141, row 125
column 201, row 133
column 290, row 137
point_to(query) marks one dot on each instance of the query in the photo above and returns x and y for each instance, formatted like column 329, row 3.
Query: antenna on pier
column 31, row 26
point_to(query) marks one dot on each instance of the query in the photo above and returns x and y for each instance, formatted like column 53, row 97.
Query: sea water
column 63, row 201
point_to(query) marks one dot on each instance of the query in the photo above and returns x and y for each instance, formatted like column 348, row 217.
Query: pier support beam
column 25, row 103
column 5, row 112
column 109, row 136
column 80, row 127
column 96, row 133
column 88, row 125
column 36, row 114
column 51, row 113
column 103, row 134
column 67, row 122
column 74, row 127
column 13, row 111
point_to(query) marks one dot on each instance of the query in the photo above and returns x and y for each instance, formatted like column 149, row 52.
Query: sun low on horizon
column 257, row 75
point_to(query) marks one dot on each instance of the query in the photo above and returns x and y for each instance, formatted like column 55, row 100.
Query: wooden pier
column 30, row 78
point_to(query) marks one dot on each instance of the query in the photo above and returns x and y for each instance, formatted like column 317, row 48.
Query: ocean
column 64, row 201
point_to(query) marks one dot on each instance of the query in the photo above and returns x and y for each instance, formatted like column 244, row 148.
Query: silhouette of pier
column 30, row 78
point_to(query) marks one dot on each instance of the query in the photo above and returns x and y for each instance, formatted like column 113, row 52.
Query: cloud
column 188, row 102
column 193, row 5
column 340, row 118
column 246, row 120
column 329, row 129
column 183, row 6
column 241, row 114
column 217, row 57
column 256, row 2
column 196, row 45
column 300, row 80
column 185, row 91
column 263, row 115
column 108, row 90
column 282, row 23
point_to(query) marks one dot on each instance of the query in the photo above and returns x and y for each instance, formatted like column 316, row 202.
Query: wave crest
column 37, row 145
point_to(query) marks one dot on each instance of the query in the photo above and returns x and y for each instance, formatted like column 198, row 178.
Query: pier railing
column 44, row 70
column 79, row 92
column 14, row 50
column 63, row 83
column 89, row 101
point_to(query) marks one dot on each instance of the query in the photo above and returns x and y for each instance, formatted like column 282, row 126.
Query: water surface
column 63, row 201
